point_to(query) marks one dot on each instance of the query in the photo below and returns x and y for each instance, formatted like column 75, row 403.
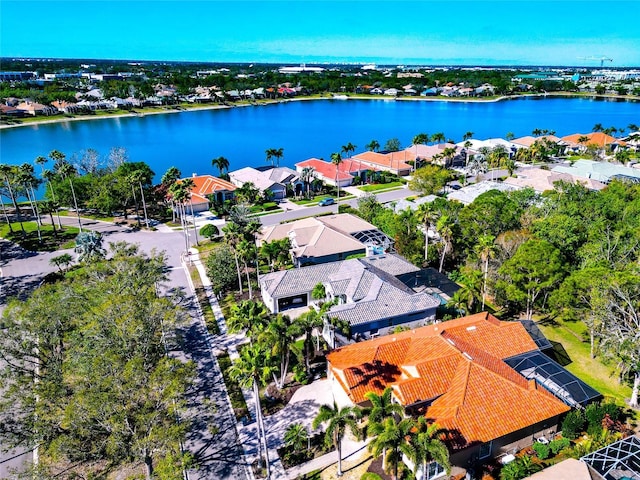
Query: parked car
column 326, row 201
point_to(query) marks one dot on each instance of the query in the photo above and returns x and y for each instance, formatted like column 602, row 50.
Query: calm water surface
column 189, row 140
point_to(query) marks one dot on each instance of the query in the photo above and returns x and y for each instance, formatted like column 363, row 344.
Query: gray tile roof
column 298, row 280
column 391, row 263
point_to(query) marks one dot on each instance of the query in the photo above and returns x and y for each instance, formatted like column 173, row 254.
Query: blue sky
column 445, row 32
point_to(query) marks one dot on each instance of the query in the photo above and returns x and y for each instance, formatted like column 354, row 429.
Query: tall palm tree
column 26, row 178
column 247, row 252
column 139, row 177
column 348, row 148
column 221, row 163
column 188, row 184
column 338, row 421
column 467, row 136
column 59, row 159
column 68, row 171
column 390, row 441
column 251, row 370
column 382, row 406
column 485, row 249
column 270, row 154
column 249, row 316
column 597, row 127
column 420, row 139
column 278, row 154
column 8, row 175
column 233, row 236
column 49, row 176
column 427, row 215
column 336, row 159
column 427, row 447
column 179, row 194
column 307, row 175
column 438, row 137
column 373, row 146
column 536, row 132
column 307, row 322
column 444, row 226
column 280, row 335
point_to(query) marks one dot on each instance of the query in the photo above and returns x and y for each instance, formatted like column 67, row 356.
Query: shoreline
column 61, row 119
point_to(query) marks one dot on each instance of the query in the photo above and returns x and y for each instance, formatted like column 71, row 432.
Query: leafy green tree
column 534, row 269
column 106, row 394
column 339, row 421
column 520, row 468
column 430, row 179
column 392, row 145
column 209, row 231
column 221, row 270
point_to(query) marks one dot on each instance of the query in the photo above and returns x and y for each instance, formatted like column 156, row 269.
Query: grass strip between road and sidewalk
column 238, row 403
column 203, row 300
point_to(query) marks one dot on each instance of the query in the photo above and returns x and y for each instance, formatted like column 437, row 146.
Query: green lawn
column 50, row 242
column 600, row 376
column 381, row 186
column 233, row 389
column 203, row 301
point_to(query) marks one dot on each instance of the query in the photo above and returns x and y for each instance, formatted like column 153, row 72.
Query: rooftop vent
column 471, row 328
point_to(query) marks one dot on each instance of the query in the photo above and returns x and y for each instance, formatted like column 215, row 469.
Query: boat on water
column 340, row 97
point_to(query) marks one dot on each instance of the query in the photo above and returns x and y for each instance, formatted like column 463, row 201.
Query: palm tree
column 336, row 159
column 536, row 132
column 278, row 154
column 296, row 436
column 307, row 175
column 444, row 226
column 251, row 370
column 26, row 177
column 49, row 176
column 348, row 148
column 467, row 136
column 221, row 163
column 58, row 159
column 281, row 334
column 338, row 421
column 420, row 139
column 270, row 154
column 485, row 249
column 307, row 322
column 170, row 177
column 68, row 171
column 597, row 128
column 247, row 252
column 373, row 146
column 189, row 184
column 390, row 441
column 632, row 127
column 89, row 246
column 427, row 215
column 427, row 447
column 233, row 235
column 509, row 136
column 137, row 177
column 8, row 174
column 382, row 406
column 179, row 194
column 61, row 261
column 48, row 207
column 249, row 316
column 438, row 137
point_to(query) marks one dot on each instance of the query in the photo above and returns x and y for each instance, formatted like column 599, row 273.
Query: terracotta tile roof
column 394, row 160
column 206, row 185
column 325, row 169
column 458, row 365
column 598, row 138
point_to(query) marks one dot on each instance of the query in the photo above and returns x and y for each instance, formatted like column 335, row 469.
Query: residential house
column 434, row 154
column 371, row 299
column 348, row 169
column 600, row 171
column 327, row 238
column 34, row 108
column 395, row 162
column 485, row 382
column 528, row 140
column 9, row 111
column 65, row 107
column 543, row 180
column 572, row 143
column 208, row 186
column 261, row 180
column 469, row 193
column 491, row 143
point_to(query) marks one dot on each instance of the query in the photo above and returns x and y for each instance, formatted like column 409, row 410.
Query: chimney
column 194, row 175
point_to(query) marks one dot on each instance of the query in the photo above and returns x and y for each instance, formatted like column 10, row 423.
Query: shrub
column 209, row 231
column 573, row 424
column 542, row 450
column 559, row 444
column 370, row 476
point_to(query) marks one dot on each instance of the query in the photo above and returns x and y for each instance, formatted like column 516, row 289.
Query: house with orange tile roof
column 598, row 139
column 394, row 162
column 434, row 154
column 208, row 187
column 347, row 170
column 484, row 381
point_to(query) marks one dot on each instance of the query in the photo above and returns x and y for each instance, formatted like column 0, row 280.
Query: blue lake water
column 190, row 139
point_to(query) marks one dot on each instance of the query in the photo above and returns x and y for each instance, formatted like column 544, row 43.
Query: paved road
column 217, row 452
column 383, row 197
